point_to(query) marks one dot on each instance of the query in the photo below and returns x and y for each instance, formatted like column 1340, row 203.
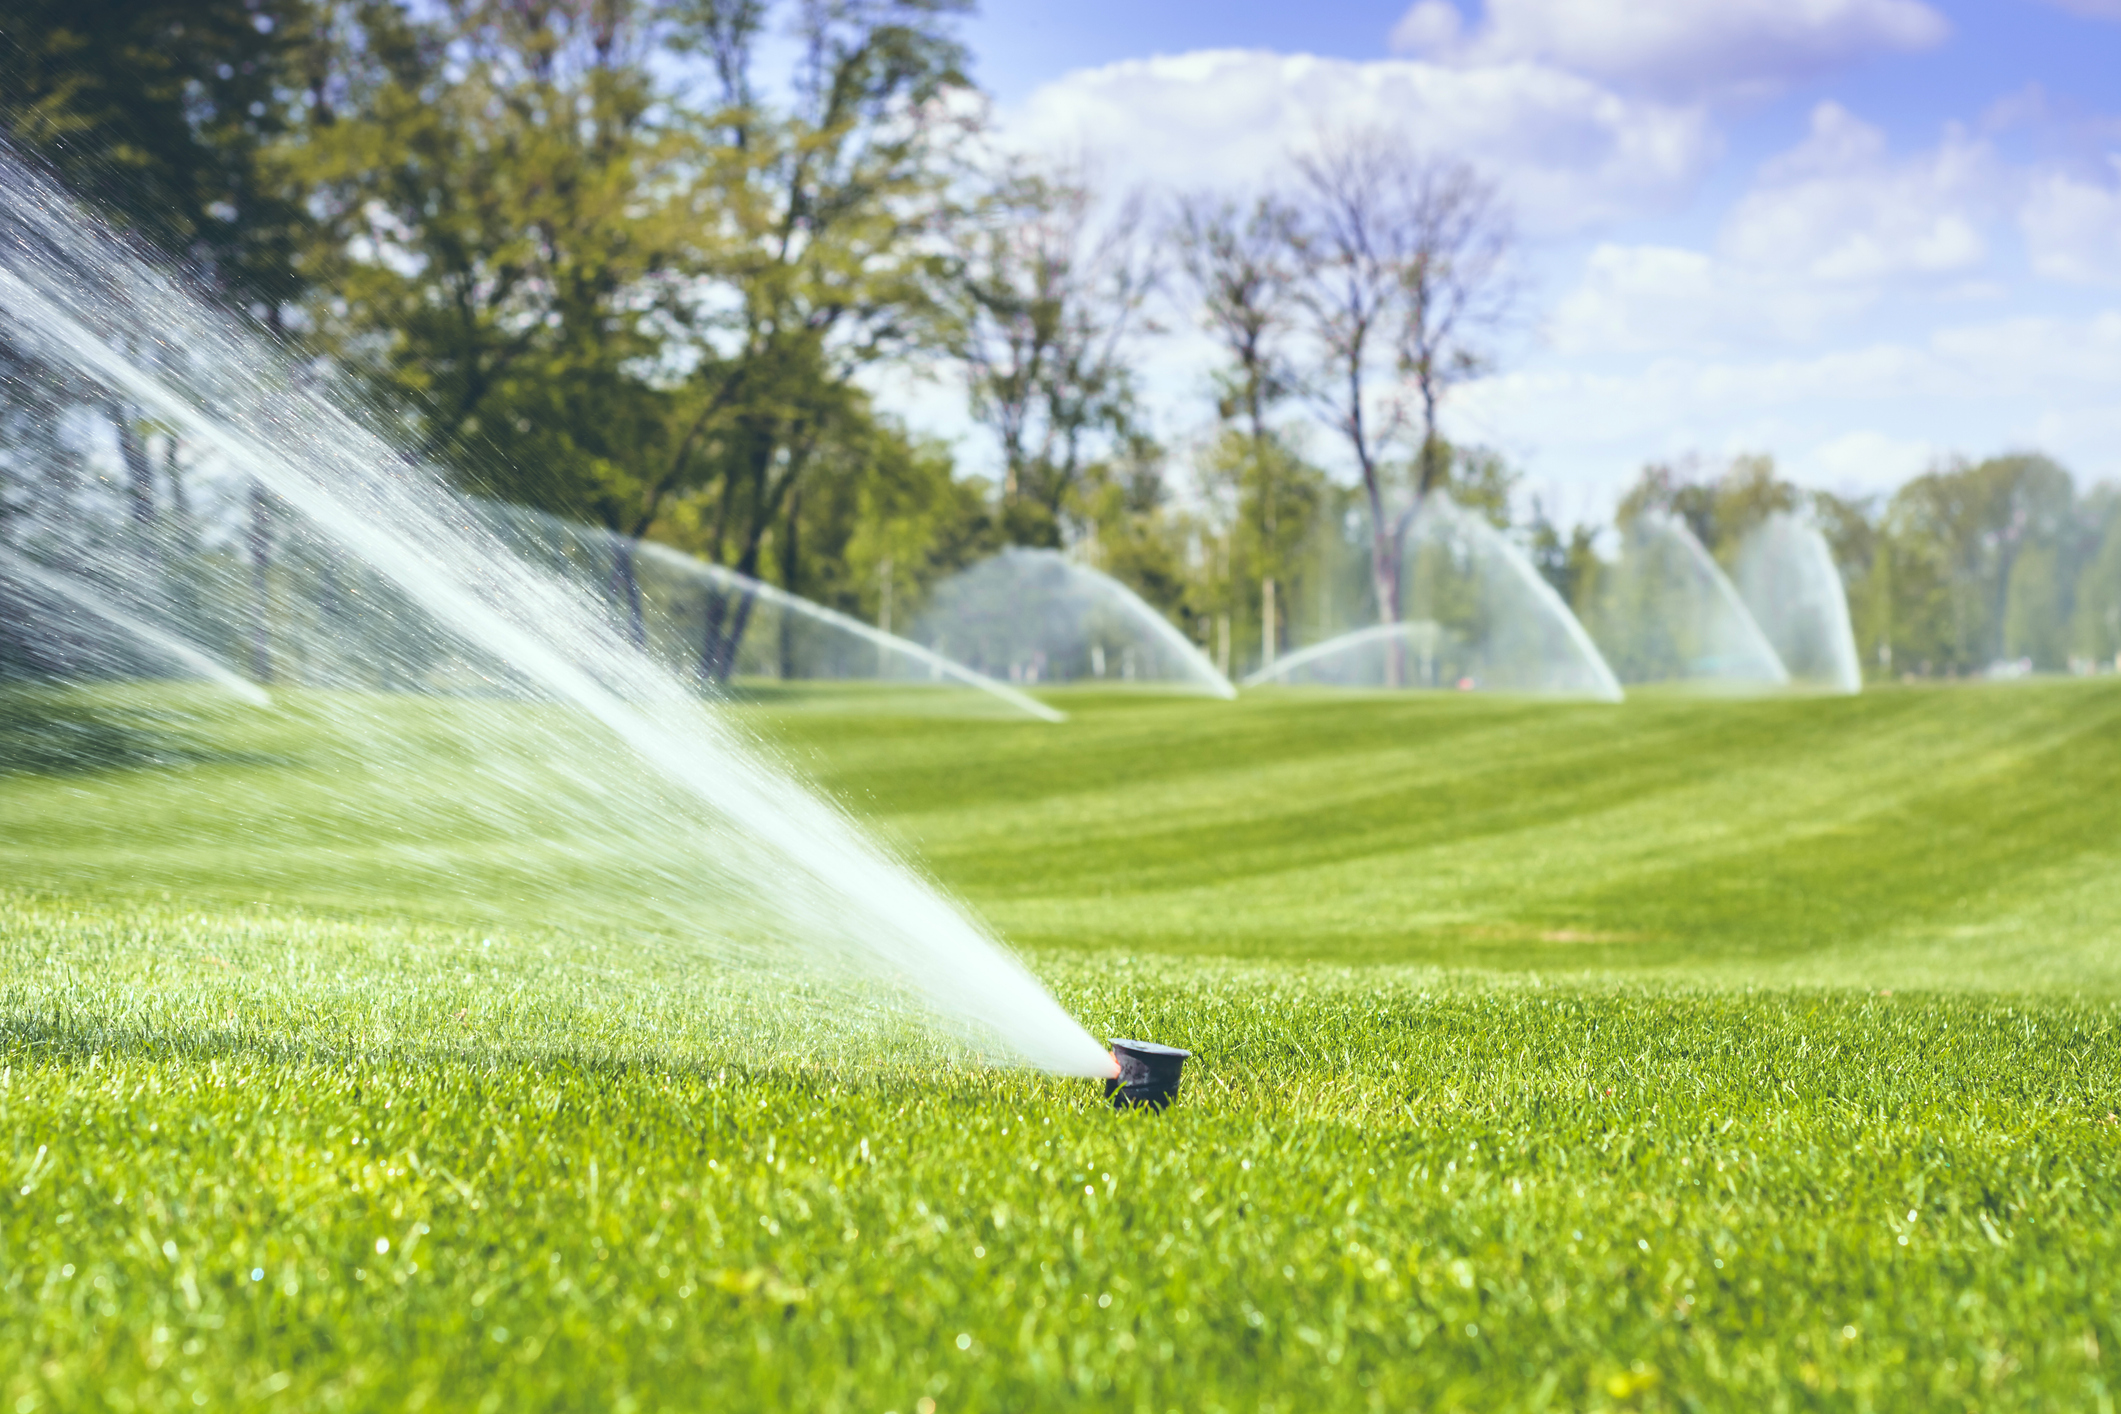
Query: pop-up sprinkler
column 1148, row 1074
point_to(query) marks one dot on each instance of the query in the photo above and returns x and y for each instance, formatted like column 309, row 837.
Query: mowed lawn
column 1939, row 837
column 1679, row 1055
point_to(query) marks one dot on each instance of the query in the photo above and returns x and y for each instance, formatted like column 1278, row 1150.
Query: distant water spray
column 163, row 643
column 1478, row 616
column 699, row 609
column 1787, row 577
column 1666, row 612
column 1032, row 616
column 786, row 871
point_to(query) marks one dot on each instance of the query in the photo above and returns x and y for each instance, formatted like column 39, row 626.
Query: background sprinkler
column 1148, row 1074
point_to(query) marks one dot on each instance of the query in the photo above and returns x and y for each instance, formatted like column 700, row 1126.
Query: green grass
column 1682, row 1055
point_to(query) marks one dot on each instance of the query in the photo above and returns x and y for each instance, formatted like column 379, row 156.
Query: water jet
column 1476, row 614
column 1032, row 616
column 1787, row 577
column 1666, row 612
column 647, row 805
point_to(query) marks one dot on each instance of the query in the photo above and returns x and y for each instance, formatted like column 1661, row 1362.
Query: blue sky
column 1857, row 234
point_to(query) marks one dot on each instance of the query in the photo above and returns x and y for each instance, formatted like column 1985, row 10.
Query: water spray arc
column 1478, row 615
column 161, row 641
column 890, row 658
column 1666, row 612
column 1034, row 615
column 1787, row 577
column 794, row 866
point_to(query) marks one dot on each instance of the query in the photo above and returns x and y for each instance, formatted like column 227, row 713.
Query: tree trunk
column 1267, row 634
column 791, row 567
column 712, row 613
column 1432, row 469
column 738, row 623
column 139, row 472
column 626, row 588
column 1384, row 575
column 259, row 541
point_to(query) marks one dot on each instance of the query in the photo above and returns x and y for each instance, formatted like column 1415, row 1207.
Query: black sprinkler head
column 1148, row 1074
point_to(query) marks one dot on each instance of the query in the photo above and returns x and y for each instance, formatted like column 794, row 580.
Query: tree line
column 647, row 264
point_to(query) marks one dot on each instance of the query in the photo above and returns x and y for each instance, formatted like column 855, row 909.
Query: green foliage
column 1563, row 564
column 1955, row 537
column 1720, row 510
column 161, row 111
column 1130, row 532
column 2096, row 630
column 879, row 531
column 494, row 191
column 1266, row 503
column 1044, row 296
column 1647, row 1163
column 600, row 301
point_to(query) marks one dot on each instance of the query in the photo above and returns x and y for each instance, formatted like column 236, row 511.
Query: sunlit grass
column 1517, row 1085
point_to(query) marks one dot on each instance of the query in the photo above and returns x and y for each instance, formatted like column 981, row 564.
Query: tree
column 1567, row 565
column 1720, row 508
column 1455, row 292
column 1954, row 535
column 827, row 220
column 878, row 538
column 1403, row 276
column 1048, row 296
column 603, row 303
column 160, row 111
column 495, row 191
column 2095, row 629
column 1241, row 265
column 1131, row 531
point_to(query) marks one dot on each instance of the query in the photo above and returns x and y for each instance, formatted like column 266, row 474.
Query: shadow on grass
column 45, row 733
column 69, row 1041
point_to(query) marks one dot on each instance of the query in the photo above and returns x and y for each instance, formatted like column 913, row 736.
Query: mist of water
column 1666, row 612
column 159, row 641
column 1787, row 577
column 1478, row 616
column 689, row 609
column 776, row 871
column 1035, row 616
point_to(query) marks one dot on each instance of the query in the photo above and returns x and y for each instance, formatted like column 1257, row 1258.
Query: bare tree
column 1242, row 265
column 1455, row 294
column 1404, row 276
column 1051, row 293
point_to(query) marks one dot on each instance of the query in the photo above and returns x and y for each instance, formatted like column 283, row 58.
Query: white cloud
column 1856, row 418
column 1866, row 461
column 1432, row 26
column 1678, row 47
column 1827, row 233
column 1567, row 152
column 2072, row 227
column 1644, row 299
column 1840, row 208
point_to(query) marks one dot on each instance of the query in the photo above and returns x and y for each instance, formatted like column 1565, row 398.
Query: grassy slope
column 1624, row 1165
column 1941, row 837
